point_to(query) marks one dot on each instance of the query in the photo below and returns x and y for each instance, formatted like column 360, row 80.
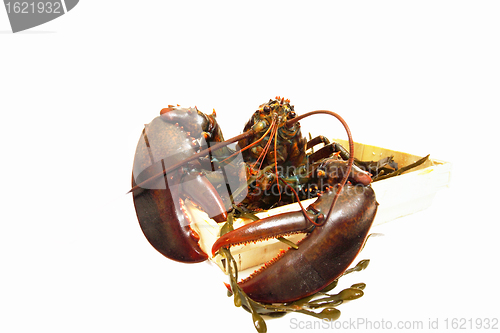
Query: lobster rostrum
column 181, row 155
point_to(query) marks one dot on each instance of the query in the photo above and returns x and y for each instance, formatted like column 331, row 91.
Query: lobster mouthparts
column 322, row 256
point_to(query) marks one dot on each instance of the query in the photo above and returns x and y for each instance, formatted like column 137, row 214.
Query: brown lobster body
column 173, row 164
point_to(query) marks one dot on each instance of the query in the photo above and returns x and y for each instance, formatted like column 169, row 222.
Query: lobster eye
column 267, row 109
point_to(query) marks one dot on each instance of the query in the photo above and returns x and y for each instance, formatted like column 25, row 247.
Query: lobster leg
column 323, row 255
column 333, row 170
column 322, row 153
column 317, row 140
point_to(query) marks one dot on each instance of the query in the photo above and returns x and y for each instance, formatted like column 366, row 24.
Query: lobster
column 182, row 155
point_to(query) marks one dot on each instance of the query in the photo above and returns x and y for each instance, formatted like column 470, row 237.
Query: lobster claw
column 159, row 204
column 322, row 256
column 166, row 227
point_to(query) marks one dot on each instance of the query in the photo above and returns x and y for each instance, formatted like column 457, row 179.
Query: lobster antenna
column 264, row 152
column 276, row 159
column 252, row 144
column 350, row 161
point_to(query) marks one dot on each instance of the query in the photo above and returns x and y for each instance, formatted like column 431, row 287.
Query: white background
column 420, row 77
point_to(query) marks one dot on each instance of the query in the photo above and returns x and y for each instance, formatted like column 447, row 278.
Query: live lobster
column 181, row 155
